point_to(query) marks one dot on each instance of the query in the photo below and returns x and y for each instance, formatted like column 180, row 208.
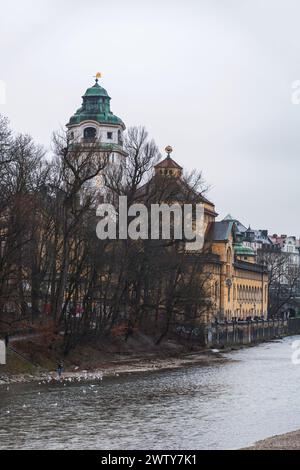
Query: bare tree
column 283, row 280
column 75, row 169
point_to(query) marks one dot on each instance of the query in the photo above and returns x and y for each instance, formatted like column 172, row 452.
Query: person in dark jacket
column 60, row 369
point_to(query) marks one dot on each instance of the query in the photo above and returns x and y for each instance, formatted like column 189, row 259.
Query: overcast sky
column 211, row 78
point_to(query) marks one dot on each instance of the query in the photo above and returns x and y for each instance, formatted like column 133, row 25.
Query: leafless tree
column 283, row 280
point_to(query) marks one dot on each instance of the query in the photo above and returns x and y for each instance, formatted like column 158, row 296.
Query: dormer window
column 109, row 135
column 89, row 133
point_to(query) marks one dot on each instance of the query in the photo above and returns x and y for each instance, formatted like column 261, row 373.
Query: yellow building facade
column 237, row 286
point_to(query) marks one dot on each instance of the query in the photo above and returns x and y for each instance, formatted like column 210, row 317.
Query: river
column 223, row 406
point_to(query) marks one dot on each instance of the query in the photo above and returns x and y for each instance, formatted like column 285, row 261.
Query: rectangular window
column 110, row 135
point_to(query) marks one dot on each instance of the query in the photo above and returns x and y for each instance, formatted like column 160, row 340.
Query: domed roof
column 243, row 250
column 96, row 90
column 95, row 107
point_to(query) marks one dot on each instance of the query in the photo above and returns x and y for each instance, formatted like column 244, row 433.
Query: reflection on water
column 218, row 407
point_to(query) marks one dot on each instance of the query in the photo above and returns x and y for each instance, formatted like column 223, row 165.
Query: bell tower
column 94, row 122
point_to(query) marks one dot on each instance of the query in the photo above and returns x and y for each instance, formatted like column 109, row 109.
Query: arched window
column 89, row 133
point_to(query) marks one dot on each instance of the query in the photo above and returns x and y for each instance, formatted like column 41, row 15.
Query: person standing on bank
column 60, row 369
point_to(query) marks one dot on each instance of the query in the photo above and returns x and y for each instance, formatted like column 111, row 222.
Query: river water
column 223, row 406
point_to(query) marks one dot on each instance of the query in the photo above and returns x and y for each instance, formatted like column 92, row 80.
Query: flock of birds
column 68, row 380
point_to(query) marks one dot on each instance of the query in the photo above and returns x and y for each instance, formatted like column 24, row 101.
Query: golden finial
column 169, row 150
column 98, row 75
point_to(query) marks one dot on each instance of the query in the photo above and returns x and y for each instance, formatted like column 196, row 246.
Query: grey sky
column 211, row 78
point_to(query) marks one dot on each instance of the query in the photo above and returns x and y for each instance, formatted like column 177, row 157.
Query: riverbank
column 289, row 441
column 115, row 369
column 29, row 360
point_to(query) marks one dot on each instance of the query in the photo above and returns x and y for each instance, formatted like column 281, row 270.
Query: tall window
column 228, row 262
column 216, row 290
column 120, row 140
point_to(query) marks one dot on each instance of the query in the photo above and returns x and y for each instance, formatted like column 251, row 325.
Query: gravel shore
column 289, row 441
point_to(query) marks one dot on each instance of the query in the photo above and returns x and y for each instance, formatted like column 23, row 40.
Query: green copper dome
column 242, row 250
column 95, row 107
column 96, row 90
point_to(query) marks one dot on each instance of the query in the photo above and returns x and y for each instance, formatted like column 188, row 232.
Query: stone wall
column 239, row 333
